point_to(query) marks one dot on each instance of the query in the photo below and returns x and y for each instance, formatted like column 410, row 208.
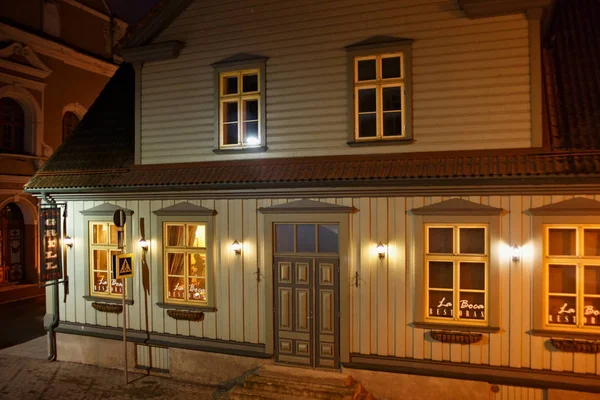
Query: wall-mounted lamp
column 236, row 247
column 68, row 242
column 143, row 243
column 516, row 253
column 380, row 250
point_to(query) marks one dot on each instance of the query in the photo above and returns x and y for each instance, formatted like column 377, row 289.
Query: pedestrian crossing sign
column 124, row 266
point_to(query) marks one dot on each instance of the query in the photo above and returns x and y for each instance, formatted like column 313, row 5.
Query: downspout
column 50, row 327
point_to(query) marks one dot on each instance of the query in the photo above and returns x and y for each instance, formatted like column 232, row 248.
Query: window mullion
column 456, row 271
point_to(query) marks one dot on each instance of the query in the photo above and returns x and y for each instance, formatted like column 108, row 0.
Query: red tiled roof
column 332, row 171
column 571, row 57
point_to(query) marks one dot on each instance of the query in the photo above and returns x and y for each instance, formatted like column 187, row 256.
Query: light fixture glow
column 143, row 243
column 252, row 140
column 516, row 253
column 236, row 247
column 68, row 242
column 380, row 250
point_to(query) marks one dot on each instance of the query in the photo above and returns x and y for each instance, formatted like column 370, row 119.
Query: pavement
column 21, row 321
column 25, row 374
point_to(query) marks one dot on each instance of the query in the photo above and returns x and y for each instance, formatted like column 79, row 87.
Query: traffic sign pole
column 119, row 220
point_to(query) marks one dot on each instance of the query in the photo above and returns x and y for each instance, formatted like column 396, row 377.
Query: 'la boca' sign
column 50, row 266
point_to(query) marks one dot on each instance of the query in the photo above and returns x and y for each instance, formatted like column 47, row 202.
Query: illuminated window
column 69, row 123
column 240, row 108
column 185, row 263
column 12, row 123
column 456, row 270
column 572, row 276
column 102, row 247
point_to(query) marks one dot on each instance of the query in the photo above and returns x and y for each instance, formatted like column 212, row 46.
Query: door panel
column 306, row 311
column 293, row 310
column 327, row 315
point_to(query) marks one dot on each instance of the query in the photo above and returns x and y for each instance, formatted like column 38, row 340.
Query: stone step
column 240, row 393
column 291, row 386
column 328, row 378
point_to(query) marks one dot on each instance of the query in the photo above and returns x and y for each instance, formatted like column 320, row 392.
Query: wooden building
column 50, row 74
column 408, row 187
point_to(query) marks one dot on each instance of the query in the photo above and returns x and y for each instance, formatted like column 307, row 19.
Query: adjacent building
column 409, row 187
column 55, row 57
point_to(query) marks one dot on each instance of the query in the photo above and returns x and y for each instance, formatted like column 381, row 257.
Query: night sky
column 130, row 10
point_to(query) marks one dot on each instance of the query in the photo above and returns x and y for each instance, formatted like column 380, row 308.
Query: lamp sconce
column 516, row 253
column 68, row 242
column 380, row 250
column 143, row 243
column 236, row 247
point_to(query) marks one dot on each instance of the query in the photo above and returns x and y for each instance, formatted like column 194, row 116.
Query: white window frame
column 239, row 98
column 579, row 260
column 379, row 47
column 379, row 83
column 186, row 250
column 109, row 248
column 456, row 258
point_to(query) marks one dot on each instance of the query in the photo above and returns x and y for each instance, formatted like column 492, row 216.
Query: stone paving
column 25, row 378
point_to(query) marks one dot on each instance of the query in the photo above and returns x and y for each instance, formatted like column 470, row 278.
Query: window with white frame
column 456, row 272
column 379, row 97
column 240, row 123
column 102, row 248
column 572, row 275
column 185, row 271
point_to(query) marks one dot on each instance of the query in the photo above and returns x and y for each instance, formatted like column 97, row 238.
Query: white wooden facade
column 471, row 77
column 381, row 308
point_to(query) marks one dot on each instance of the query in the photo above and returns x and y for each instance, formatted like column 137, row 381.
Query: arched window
column 12, row 122
column 69, row 123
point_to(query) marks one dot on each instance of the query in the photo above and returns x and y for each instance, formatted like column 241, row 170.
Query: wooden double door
column 306, row 323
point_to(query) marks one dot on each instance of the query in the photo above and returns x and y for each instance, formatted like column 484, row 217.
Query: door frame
column 342, row 218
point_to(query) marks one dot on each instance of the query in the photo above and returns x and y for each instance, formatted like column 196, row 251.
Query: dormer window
column 12, row 123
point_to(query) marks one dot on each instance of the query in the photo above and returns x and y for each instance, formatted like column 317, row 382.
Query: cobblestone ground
column 23, row 378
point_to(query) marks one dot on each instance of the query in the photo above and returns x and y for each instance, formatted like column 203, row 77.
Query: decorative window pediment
column 458, row 207
column 185, row 209
column 577, row 206
column 16, row 57
column 306, row 206
column 106, row 209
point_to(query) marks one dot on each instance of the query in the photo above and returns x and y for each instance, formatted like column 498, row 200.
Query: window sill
column 380, row 142
column 260, row 149
column 457, row 327
column 186, row 307
column 99, row 299
column 552, row 333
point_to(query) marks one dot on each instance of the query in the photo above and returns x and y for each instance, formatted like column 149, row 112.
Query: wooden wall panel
column 382, row 306
column 306, row 76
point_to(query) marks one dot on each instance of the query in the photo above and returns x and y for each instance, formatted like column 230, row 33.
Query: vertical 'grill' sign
column 50, row 267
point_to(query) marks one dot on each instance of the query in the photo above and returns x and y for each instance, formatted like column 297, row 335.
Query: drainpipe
column 53, row 324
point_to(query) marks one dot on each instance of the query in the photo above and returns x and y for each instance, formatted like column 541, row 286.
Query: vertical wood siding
column 382, row 306
column 470, row 77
